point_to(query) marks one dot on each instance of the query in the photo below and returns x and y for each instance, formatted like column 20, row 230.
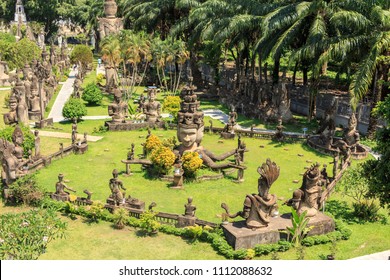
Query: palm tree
column 363, row 29
column 150, row 15
column 135, row 52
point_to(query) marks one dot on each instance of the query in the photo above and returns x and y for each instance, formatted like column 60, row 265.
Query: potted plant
column 120, row 216
column 148, row 223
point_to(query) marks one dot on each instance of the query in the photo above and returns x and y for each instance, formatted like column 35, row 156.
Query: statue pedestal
column 136, row 204
column 227, row 135
column 177, row 182
column 60, row 197
column 185, row 221
column 43, row 123
column 241, row 237
column 80, row 148
column 130, row 125
column 35, row 116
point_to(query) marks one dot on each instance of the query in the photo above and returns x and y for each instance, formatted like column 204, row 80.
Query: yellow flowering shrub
column 191, row 163
column 171, row 104
column 162, row 158
column 152, row 143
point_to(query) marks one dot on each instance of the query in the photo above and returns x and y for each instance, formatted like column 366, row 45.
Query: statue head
column 13, row 103
column 60, row 177
column 115, row 173
column 17, row 136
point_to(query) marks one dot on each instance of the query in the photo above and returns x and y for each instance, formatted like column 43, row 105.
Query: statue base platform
column 227, row 135
column 241, row 237
column 44, row 123
column 34, row 116
column 360, row 152
column 184, row 221
column 80, row 148
column 130, row 125
column 60, row 197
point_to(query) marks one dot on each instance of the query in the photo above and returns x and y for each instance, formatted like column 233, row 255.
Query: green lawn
column 106, row 154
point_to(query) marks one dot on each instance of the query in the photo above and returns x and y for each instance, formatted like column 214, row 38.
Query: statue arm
column 220, row 157
column 210, row 163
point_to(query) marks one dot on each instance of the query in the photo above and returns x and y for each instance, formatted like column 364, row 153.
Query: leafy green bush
column 27, row 191
column 148, row 222
column 25, row 236
column 120, row 216
column 81, row 54
column 92, row 94
column 74, row 108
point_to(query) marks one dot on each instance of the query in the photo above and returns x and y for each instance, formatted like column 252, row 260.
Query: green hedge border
column 214, row 237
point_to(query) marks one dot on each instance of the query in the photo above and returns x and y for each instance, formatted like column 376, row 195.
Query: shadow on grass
column 143, row 234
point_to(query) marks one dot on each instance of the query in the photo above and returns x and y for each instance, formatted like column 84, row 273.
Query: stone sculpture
column 279, row 135
column 152, row 109
column 37, row 144
column 190, row 131
column 11, row 116
column 189, row 208
column 258, row 208
column 118, row 110
column 307, row 197
column 60, row 193
column 110, row 24
column 116, row 187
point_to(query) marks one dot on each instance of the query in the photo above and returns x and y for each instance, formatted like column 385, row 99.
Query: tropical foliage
column 25, row 236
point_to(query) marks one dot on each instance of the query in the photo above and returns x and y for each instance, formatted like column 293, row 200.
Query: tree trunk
column 196, row 74
column 376, row 95
column 275, row 72
column 260, row 70
column 295, row 73
column 305, row 70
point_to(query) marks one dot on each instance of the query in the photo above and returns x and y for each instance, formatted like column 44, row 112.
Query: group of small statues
column 118, row 110
column 26, row 102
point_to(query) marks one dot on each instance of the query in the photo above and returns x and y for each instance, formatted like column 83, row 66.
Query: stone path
column 63, row 96
column 6, row 88
column 65, row 135
column 385, row 255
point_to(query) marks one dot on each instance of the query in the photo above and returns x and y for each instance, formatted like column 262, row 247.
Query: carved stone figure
column 11, row 117
column 74, row 131
column 77, row 87
column 111, row 78
column 189, row 208
column 110, row 24
column 61, row 187
column 152, row 109
column 190, row 131
column 307, row 197
column 258, row 208
column 351, row 134
column 130, row 154
column 34, row 100
column 22, row 109
column 279, row 135
column 17, row 140
column 37, row 144
column 116, row 186
column 118, row 110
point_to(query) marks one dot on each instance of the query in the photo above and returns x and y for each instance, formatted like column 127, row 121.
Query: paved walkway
column 385, row 255
column 63, row 96
column 6, row 88
column 65, row 135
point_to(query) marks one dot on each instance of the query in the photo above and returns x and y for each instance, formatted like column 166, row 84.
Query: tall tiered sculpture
column 110, row 24
column 190, row 131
